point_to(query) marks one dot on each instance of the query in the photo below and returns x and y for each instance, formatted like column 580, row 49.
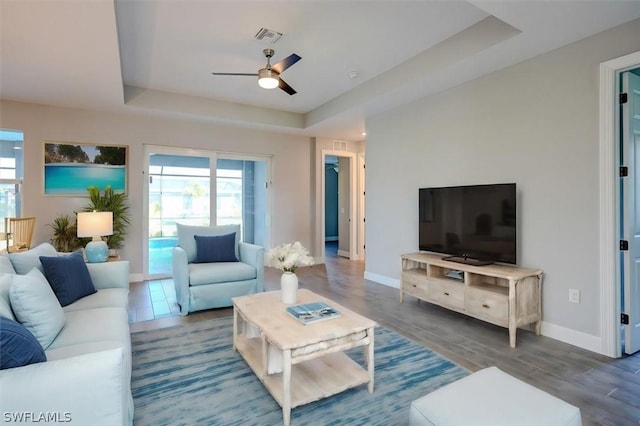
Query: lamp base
column 96, row 251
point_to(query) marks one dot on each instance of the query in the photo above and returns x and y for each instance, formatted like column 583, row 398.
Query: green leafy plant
column 109, row 201
column 65, row 238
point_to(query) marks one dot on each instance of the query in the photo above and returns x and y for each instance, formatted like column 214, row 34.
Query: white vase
column 289, row 288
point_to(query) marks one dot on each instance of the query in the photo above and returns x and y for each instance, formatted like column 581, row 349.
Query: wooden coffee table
column 313, row 363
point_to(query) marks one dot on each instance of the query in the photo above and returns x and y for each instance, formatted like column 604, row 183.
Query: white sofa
column 86, row 378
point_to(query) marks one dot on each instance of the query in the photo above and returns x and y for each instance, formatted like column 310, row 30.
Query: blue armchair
column 205, row 285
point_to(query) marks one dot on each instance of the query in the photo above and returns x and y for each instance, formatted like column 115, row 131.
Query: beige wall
column 291, row 174
column 535, row 124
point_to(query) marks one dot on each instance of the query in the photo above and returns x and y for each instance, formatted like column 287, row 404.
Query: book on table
column 308, row 313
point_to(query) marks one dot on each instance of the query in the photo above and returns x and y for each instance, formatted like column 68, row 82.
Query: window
column 11, row 173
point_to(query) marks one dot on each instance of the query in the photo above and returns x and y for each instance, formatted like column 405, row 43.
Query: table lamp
column 96, row 225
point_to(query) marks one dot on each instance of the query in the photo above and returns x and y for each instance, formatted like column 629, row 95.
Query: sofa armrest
column 109, row 274
column 89, row 389
column 253, row 255
column 180, row 270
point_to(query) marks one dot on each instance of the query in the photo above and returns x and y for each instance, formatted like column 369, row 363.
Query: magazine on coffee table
column 312, row 312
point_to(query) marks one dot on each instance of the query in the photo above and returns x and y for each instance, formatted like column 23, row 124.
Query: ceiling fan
column 269, row 76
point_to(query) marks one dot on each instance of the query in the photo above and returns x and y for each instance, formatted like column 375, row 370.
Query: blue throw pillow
column 68, row 276
column 18, row 346
column 220, row 248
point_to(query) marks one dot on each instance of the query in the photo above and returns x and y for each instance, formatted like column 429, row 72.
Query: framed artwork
column 70, row 168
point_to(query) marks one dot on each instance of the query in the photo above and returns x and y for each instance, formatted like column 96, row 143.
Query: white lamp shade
column 95, row 224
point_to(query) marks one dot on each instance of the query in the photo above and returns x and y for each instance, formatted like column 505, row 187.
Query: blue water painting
column 75, row 178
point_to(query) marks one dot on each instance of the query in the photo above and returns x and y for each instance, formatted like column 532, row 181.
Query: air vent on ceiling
column 339, row 145
column 268, row 35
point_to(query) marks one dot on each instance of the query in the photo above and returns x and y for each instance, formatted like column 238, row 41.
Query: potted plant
column 109, row 201
column 65, row 238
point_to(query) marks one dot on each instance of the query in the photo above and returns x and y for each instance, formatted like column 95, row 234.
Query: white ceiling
column 156, row 57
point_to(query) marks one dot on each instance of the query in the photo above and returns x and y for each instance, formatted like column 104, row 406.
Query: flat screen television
column 473, row 224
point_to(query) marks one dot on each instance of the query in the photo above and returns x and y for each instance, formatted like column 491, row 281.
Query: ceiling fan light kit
column 268, row 79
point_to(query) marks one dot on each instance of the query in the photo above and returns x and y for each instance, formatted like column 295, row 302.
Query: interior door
column 631, row 204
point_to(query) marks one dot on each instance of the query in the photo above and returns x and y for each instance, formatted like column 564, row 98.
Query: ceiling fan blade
column 233, row 73
column 285, row 63
column 284, row 86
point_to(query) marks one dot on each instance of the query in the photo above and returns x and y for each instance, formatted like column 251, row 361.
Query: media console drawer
column 507, row 296
column 485, row 304
column 414, row 284
column 447, row 293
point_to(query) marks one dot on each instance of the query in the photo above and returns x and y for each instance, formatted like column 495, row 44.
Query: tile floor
column 150, row 300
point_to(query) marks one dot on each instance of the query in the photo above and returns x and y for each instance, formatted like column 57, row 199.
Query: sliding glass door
column 241, row 195
column 201, row 188
column 179, row 191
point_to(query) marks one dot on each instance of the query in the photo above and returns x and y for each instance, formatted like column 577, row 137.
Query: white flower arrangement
column 287, row 257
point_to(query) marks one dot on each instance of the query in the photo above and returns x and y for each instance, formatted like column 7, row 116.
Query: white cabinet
column 507, row 296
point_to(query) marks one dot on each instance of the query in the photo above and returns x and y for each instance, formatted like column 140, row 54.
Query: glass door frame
column 149, row 150
column 267, row 159
column 213, row 157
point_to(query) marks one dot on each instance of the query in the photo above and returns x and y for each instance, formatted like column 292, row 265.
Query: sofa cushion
column 36, row 307
column 69, row 351
column 220, row 272
column 94, row 325
column 25, row 261
column 5, row 298
column 18, row 347
column 221, row 248
column 186, row 234
column 105, row 298
column 5, row 265
column 68, row 276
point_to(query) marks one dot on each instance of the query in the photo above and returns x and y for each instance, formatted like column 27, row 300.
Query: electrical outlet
column 574, row 295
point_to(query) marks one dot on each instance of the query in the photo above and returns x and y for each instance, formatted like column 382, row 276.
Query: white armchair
column 205, row 285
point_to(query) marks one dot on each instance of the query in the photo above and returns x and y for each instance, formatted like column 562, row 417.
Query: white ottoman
column 492, row 397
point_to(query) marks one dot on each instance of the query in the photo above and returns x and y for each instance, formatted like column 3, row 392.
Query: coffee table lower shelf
column 311, row 380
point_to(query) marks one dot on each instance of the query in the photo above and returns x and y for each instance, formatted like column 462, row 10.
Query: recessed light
column 364, row 133
column 353, row 74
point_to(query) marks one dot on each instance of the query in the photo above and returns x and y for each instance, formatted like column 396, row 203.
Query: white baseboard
column 336, row 238
column 343, row 253
column 563, row 334
column 572, row 337
column 381, row 279
column 136, row 278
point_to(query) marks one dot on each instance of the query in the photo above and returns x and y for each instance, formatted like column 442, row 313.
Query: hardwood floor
column 606, row 390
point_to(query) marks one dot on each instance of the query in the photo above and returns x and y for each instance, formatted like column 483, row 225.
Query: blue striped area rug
column 190, row 375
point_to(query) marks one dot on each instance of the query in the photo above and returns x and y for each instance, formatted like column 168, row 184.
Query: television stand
column 507, row 296
column 467, row 260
